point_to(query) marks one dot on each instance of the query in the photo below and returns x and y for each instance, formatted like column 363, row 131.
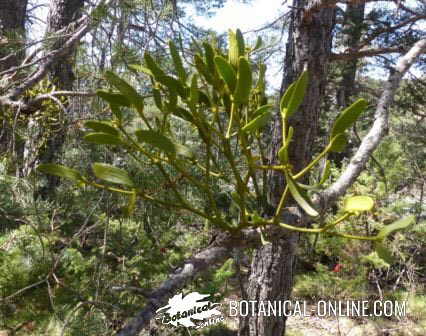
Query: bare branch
column 377, row 131
column 346, row 56
column 200, row 263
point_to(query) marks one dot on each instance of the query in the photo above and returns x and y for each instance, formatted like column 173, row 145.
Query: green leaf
column 258, row 44
column 183, row 114
column 285, row 99
column 125, row 88
column 257, row 122
column 112, row 174
column 297, row 95
column 325, row 173
column 101, row 126
column 61, row 171
column 240, row 42
column 163, row 143
column 298, row 197
column 202, row 69
column 153, row 67
column 261, row 110
column 113, row 98
column 100, row 138
column 157, row 99
column 348, row 117
column 260, row 85
column 357, row 204
column 140, row 68
column 194, row 93
column 227, row 72
column 177, row 60
column 244, row 82
column 116, row 111
column 338, row 143
column 400, row 224
column 383, row 252
column 173, row 84
column 233, row 52
column 209, row 57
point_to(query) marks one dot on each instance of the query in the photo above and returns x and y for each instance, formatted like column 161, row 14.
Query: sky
column 246, row 16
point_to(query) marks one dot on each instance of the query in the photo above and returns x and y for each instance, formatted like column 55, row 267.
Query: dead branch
column 377, row 131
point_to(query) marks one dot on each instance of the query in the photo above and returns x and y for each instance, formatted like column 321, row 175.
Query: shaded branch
column 377, row 131
column 84, row 26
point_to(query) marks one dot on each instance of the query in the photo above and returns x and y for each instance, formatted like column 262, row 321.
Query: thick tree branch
column 346, row 56
column 390, row 29
column 377, row 131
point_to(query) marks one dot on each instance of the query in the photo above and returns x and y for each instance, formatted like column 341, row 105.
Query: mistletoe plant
column 224, row 100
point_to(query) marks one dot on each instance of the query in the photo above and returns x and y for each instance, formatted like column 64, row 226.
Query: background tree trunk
column 272, row 268
column 12, row 39
column 12, row 31
column 61, row 14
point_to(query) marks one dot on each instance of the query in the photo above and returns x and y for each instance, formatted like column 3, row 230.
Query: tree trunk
column 12, row 39
column 352, row 31
column 61, row 14
column 272, row 269
column 12, row 31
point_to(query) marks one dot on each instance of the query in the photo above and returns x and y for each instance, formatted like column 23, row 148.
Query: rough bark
column 272, row 269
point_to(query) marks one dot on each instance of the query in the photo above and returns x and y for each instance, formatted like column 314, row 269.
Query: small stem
column 339, row 220
column 231, row 120
column 281, row 204
column 313, row 163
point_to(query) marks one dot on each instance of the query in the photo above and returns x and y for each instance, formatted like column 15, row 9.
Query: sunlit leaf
column 285, row 99
column 177, row 60
column 348, row 117
column 109, row 173
column 261, row 110
column 400, row 224
column 257, row 122
column 357, row 204
column 298, row 94
column 338, row 143
column 227, row 72
column 299, row 198
column 244, row 82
